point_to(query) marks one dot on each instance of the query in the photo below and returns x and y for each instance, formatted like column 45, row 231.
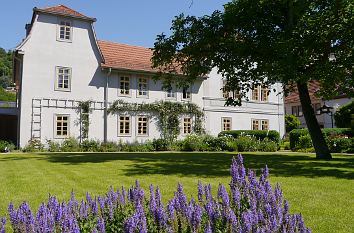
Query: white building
column 61, row 62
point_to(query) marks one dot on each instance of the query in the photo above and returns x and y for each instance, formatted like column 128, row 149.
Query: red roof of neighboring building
column 293, row 97
column 63, row 10
column 126, row 57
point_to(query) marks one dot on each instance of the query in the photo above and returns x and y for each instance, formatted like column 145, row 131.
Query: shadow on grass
column 214, row 164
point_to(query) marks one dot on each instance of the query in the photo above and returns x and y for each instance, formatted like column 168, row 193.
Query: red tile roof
column 293, row 97
column 126, row 57
column 63, row 10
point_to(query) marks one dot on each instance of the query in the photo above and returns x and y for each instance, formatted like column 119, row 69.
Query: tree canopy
column 261, row 42
column 5, row 68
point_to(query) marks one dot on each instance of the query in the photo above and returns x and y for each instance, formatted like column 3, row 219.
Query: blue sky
column 135, row 22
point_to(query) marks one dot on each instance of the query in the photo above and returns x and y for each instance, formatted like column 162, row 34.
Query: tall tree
column 261, row 42
column 5, row 68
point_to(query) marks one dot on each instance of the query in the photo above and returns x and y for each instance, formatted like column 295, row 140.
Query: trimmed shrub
column 329, row 134
column 291, row 122
column 6, row 146
column 272, row 135
column 343, row 115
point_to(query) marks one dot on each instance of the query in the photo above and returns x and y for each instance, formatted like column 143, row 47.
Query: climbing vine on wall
column 84, row 110
column 167, row 113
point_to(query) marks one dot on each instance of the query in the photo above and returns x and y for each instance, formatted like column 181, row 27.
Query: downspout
column 106, row 106
column 18, row 100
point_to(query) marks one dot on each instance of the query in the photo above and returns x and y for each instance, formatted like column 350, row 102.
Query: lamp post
column 327, row 110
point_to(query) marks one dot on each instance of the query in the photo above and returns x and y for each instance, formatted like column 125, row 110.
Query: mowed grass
column 323, row 191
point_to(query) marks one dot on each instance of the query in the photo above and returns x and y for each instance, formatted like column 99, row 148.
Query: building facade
column 293, row 106
column 61, row 63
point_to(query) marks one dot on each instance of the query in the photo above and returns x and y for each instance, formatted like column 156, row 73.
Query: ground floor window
column 226, row 123
column 124, row 125
column 260, row 124
column 143, row 125
column 62, row 126
column 187, row 125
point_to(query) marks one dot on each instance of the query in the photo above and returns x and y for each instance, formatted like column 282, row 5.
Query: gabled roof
column 293, row 97
column 126, row 57
column 64, row 11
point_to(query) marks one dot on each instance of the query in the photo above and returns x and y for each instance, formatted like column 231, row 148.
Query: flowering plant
column 250, row 205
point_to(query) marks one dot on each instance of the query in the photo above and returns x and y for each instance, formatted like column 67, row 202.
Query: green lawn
column 323, row 191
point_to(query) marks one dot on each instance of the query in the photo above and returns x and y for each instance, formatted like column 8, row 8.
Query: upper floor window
column 171, row 93
column 260, row 93
column 124, row 86
column 297, row 111
column 63, row 78
column 65, row 30
column 186, row 93
column 61, row 126
column 260, row 124
column 226, row 123
column 143, row 87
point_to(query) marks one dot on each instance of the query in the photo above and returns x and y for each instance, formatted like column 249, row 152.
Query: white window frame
column 223, row 123
column 67, row 28
column 125, row 81
column 187, row 90
column 184, row 125
column 58, row 73
column 261, row 123
column 172, row 90
column 130, row 126
column 137, row 126
column 138, row 82
column 55, row 130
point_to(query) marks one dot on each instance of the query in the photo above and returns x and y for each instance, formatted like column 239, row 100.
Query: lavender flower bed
column 251, row 205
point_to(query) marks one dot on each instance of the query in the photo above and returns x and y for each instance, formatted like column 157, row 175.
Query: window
column 226, row 123
column 143, row 125
column 300, row 111
column 124, row 125
column 63, row 79
column 62, row 126
column 65, row 30
column 227, row 94
column 255, row 93
column 124, row 86
column 297, row 111
column 260, row 124
column 187, row 125
column 264, row 94
column 186, row 94
column 170, row 93
column 294, row 110
column 260, row 93
column 142, row 87
column 316, row 108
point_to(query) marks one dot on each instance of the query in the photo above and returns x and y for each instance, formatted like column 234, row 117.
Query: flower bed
column 250, row 205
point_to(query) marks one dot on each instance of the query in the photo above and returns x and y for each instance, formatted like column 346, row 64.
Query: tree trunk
column 319, row 143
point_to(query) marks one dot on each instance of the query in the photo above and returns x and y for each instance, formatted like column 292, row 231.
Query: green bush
column 137, row 147
column 6, row 146
column 340, row 144
column 161, row 144
column 109, row 147
column 247, row 144
column 267, row 146
column 343, row 115
column 70, row 145
column 53, row 146
column 291, row 122
column 328, row 133
column 272, row 135
column 34, row 145
column 90, row 146
column 193, row 143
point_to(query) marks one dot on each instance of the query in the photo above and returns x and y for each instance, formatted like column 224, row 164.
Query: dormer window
column 65, row 30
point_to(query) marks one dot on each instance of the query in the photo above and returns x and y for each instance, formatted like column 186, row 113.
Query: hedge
column 272, row 135
column 295, row 134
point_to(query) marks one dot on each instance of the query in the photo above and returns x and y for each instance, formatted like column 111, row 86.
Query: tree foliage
column 343, row 115
column 5, row 68
column 261, row 42
column 291, row 122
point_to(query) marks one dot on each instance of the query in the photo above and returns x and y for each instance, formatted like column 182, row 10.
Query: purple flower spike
column 2, row 225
